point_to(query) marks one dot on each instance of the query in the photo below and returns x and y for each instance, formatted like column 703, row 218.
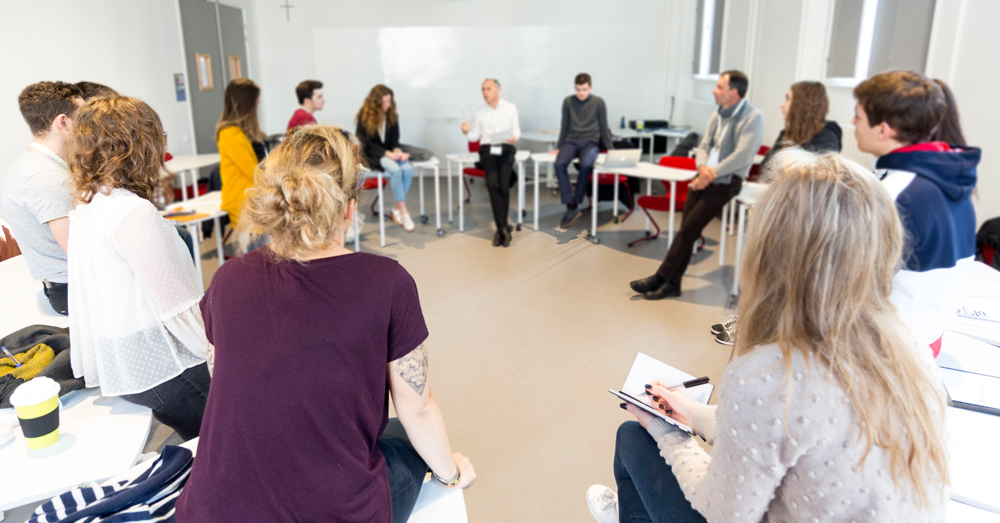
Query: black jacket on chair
column 373, row 148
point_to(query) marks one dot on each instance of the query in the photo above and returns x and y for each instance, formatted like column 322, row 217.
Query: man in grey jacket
column 725, row 155
column 584, row 127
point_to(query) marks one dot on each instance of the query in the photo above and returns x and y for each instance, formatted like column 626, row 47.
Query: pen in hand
column 687, row 384
column 11, row 356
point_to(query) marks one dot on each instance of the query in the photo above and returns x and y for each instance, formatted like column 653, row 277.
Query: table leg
column 673, row 203
column 381, row 209
column 461, row 197
column 722, row 235
column 520, row 194
column 732, row 218
column 614, row 203
column 220, row 250
column 357, row 239
column 184, row 193
column 649, row 191
column 593, row 211
column 739, row 246
column 421, row 182
column 197, row 254
column 451, row 206
column 437, row 200
column 536, row 195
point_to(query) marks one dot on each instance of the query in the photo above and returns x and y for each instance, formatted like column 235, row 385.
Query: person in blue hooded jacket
column 931, row 182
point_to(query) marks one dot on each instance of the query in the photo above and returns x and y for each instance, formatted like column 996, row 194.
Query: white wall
column 133, row 47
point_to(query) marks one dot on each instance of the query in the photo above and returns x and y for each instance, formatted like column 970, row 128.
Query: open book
column 647, row 370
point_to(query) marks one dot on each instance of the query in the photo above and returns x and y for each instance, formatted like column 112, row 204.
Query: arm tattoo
column 413, row 369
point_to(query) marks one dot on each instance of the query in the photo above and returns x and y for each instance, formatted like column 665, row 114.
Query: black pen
column 687, row 384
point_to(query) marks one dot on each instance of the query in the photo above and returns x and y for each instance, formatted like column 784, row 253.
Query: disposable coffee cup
column 37, row 405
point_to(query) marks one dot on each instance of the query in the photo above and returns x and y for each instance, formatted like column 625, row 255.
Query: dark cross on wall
column 288, row 10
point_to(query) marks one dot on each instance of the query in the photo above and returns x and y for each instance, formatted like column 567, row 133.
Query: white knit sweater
column 772, row 464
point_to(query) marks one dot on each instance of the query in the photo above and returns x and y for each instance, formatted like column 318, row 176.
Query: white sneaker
column 397, row 217
column 350, row 229
column 408, row 224
column 603, row 504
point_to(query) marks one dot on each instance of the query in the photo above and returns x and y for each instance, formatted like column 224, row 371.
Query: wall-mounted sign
column 179, row 87
column 204, row 62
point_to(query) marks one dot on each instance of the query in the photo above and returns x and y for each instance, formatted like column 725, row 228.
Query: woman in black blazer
column 804, row 109
column 378, row 132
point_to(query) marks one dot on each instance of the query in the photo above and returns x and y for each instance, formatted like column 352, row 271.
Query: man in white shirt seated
column 36, row 194
column 497, row 129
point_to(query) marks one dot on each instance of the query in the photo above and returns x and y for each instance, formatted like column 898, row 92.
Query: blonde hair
column 302, row 190
column 824, row 244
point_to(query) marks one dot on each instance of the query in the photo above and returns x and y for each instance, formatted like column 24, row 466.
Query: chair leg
column 628, row 193
column 468, row 192
column 374, row 203
column 651, row 236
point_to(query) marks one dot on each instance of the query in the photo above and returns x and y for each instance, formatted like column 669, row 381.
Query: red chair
column 370, row 185
column 471, row 171
column 611, row 179
column 755, row 168
column 662, row 203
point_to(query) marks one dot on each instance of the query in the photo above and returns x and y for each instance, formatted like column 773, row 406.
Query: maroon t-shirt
column 299, row 118
column 299, row 394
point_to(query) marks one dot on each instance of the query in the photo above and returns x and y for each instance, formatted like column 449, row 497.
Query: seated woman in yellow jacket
column 235, row 132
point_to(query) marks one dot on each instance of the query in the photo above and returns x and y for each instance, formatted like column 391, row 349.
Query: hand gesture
column 706, row 175
column 466, row 126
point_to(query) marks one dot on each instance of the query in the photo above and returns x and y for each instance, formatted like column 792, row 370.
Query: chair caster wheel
column 616, row 221
column 472, row 181
column 524, row 213
column 424, row 219
column 518, row 228
column 440, row 232
column 597, row 241
column 649, row 233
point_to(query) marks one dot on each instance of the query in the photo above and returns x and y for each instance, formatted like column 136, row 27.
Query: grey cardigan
column 769, row 464
column 738, row 144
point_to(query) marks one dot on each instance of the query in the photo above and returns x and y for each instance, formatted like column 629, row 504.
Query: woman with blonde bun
column 309, row 342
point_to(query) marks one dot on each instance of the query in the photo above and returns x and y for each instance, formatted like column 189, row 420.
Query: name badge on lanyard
column 496, row 150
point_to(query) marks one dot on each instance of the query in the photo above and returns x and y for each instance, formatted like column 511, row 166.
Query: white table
column 549, row 139
column 974, row 458
column 98, row 438
column 430, row 165
column 650, row 172
column 210, row 204
column 747, row 198
column 22, row 301
column 471, row 158
column 190, row 164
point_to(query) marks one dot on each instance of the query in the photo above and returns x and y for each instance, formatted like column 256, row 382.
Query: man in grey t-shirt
column 36, row 191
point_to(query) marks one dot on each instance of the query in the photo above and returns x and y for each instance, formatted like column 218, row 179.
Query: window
column 708, row 37
column 871, row 36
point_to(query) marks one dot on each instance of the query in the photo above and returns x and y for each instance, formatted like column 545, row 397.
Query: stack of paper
column 970, row 369
column 647, row 370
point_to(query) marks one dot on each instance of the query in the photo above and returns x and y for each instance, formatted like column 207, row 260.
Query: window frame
column 705, row 49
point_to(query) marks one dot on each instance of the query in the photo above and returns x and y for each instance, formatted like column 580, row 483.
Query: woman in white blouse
column 136, row 329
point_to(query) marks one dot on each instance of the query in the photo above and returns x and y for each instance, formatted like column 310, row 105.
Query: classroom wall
column 133, row 47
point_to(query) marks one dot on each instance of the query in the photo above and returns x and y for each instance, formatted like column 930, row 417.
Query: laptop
column 621, row 158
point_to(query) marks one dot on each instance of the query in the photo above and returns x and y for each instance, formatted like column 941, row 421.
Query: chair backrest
column 679, row 162
column 474, row 146
column 763, row 149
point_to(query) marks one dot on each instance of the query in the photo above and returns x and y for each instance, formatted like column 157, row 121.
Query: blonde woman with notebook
column 828, row 410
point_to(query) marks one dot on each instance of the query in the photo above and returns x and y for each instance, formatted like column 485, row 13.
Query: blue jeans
column 647, row 488
column 400, row 175
column 405, row 467
column 587, row 152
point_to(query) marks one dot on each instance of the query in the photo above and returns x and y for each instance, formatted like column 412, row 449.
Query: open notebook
column 647, row 370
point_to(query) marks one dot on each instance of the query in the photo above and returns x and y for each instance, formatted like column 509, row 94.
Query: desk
column 642, row 170
column 98, row 439
column 472, row 158
column 550, row 140
column 209, row 204
column 185, row 164
column 22, row 302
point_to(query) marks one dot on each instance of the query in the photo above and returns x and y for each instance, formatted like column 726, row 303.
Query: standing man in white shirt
column 36, row 194
column 496, row 128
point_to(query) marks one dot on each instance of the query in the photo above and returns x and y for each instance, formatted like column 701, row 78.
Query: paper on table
column 500, row 137
column 972, row 389
column 647, row 370
column 964, row 353
column 984, row 312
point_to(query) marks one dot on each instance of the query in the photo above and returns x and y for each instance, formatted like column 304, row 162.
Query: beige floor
column 525, row 341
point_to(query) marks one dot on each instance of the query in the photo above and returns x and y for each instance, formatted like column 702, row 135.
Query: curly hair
column 302, row 190
column 240, row 110
column 117, row 143
column 807, row 114
column 370, row 115
column 42, row 102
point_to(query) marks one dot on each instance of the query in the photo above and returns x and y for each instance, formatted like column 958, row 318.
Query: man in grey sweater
column 584, row 127
column 725, row 155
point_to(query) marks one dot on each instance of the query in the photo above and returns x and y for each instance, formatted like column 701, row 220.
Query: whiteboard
column 436, row 73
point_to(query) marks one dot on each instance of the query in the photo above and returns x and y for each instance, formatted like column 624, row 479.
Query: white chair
column 747, row 198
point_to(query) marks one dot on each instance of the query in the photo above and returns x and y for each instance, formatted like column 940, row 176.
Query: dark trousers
column 58, row 295
column 586, row 151
column 499, row 178
column 699, row 209
column 647, row 488
column 178, row 403
column 405, row 467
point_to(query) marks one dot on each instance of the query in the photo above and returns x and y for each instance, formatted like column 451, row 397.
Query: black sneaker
column 498, row 239
column 505, row 237
column 647, row 284
column 728, row 336
column 721, row 327
column 570, row 217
